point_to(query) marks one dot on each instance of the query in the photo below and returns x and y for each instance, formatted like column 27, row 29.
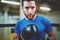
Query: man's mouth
column 29, row 15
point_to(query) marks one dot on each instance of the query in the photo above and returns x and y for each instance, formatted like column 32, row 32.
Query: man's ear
column 22, row 8
column 36, row 6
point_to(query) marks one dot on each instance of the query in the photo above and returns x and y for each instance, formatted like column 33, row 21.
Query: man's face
column 29, row 9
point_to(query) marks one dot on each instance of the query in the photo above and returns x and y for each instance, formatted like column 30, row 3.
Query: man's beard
column 30, row 16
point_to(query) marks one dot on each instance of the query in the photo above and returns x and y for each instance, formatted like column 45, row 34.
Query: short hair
column 27, row 1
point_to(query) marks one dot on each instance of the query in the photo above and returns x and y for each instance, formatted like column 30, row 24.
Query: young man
column 43, row 24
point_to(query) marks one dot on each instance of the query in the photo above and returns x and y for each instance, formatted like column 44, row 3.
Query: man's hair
column 27, row 1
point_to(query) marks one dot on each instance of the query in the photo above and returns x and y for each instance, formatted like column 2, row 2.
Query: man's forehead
column 29, row 3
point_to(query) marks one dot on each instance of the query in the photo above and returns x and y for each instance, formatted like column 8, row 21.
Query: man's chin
column 30, row 18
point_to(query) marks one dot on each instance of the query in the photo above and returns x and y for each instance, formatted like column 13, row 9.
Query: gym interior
column 11, row 11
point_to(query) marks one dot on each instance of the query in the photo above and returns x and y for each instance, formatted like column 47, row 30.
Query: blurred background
column 11, row 11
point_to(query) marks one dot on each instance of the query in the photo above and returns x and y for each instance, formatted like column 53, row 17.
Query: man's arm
column 51, row 35
column 15, row 36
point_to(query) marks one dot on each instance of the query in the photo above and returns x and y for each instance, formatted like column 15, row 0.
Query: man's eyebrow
column 29, row 7
column 26, row 7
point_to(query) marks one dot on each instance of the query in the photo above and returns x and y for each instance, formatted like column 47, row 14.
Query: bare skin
column 51, row 35
column 15, row 36
column 29, row 9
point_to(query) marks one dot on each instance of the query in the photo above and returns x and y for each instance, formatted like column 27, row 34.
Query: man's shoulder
column 41, row 18
column 19, row 21
column 44, row 20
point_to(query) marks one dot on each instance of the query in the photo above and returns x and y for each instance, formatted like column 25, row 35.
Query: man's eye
column 32, row 7
column 27, row 7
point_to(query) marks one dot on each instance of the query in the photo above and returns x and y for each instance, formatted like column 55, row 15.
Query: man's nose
column 30, row 10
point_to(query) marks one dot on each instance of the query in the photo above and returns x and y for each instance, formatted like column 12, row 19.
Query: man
column 43, row 24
